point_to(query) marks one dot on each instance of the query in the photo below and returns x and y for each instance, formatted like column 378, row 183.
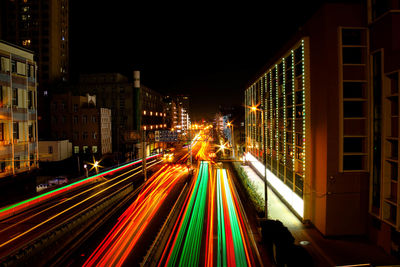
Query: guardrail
column 47, row 240
column 13, row 209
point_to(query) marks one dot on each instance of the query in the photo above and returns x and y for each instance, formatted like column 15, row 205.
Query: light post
column 86, row 170
column 254, row 109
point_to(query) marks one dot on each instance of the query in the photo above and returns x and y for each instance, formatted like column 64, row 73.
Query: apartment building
column 42, row 27
column 18, row 110
column 134, row 108
column 78, row 119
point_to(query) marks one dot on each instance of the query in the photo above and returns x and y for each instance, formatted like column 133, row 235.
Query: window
column 31, row 159
column 2, row 166
column 75, row 107
column 15, row 97
column 94, row 119
column 5, row 64
column 75, row 119
column 85, row 149
column 16, row 130
column 353, row 89
column 30, row 99
column 85, row 135
column 13, row 66
column 1, row 131
column 353, row 55
column 76, row 149
column 17, row 162
column 94, row 135
column 94, row 149
column 352, row 37
column 84, row 119
column 50, row 149
column 30, row 130
column 75, row 136
column 63, row 119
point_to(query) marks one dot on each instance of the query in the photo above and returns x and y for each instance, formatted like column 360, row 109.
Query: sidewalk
column 326, row 251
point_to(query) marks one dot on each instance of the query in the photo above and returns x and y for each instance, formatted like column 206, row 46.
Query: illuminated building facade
column 312, row 100
column 18, row 110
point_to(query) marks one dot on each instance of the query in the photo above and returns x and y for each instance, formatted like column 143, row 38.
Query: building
column 171, row 118
column 134, row 107
column 316, row 138
column 18, row 110
column 78, row 119
column 56, row 150
column 329, row 100
column 42, row 27
column 183, row 109
column 384, row 62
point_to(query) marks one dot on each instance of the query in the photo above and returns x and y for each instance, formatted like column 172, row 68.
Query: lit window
column 151, row 113
column 156, row 113
column 76, row 149
column 94, row 149
column 144, row 112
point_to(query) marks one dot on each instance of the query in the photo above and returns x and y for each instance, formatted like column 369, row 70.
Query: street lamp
column 254, row 109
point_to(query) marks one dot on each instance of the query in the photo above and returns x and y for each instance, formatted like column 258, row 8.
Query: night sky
column 207, row 50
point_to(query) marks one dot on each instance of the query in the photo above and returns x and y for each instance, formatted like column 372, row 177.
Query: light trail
column 18, row 207
column 19, row 235
column 124, row 236
column 42, row 211
column 212, row 202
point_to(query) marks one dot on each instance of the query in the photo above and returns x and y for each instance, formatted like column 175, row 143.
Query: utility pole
column 144, row 154
column 190, row 148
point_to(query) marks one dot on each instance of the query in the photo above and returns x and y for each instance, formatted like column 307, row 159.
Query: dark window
column 75, row 107
column 353, row 145
column 15, row 130
column 84, row 119
column 352, row 55
column 2, row 166
column 353, row 90
column 352, row 37
column 15, row 97
column 353, row 109
column 17, row 162
column 30, row 99
column 13, row 66
column 85, row 136
column 2, row 131
column 30, row 131
column 75, row 119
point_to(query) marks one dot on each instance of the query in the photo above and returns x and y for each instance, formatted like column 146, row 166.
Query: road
column 30, row 224
column 212, row 227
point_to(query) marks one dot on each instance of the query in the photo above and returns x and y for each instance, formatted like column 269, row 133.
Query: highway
column 211, row 228
column 64, row 205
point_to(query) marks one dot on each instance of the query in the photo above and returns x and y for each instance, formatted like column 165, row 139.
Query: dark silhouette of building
column 43, row 27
